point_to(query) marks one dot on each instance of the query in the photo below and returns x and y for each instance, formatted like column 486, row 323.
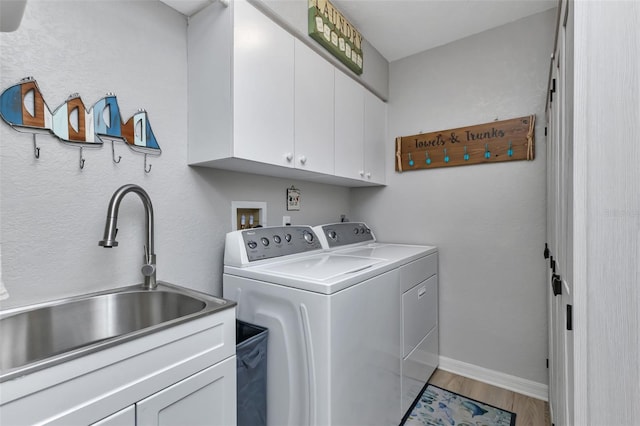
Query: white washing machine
column 418, row 289
column 335, row 352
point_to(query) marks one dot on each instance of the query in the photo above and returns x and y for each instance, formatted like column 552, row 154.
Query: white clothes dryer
column 418, row 289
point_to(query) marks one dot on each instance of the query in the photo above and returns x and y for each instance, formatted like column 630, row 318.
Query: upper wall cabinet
column 360, row 132
column 261, row 101
column 241, row 83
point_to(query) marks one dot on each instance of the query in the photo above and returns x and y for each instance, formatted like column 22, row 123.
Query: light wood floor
column 529, row 411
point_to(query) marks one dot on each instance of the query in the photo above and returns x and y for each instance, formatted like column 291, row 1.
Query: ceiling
column 400, row 28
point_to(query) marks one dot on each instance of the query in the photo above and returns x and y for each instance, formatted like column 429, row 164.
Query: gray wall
column 487, row 220
column 52, row 214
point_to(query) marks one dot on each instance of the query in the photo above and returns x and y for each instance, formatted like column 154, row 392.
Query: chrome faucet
column 110, row 230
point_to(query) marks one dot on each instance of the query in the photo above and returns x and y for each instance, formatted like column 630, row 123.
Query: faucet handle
column 148, row 269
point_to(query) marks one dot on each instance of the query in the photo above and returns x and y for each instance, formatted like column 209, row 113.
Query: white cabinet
column 314, row 103
column 349, row 127
column 375, row 136
column 241, row 81
column 360, row 132
column 263, row 82
column 207, row 397
column 261, row 101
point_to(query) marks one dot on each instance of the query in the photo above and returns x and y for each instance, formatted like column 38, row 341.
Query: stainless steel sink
column 43, row 335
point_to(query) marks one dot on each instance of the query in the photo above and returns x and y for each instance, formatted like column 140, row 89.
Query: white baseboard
column 496, row 378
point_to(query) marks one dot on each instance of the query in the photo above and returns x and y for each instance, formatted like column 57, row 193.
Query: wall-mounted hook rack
column 36, row 149
column 497, row 141
column 23, row 108
column 113, row 154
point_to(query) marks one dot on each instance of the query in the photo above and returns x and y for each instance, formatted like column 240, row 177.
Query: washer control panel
column 345, row 233
column 276, row 241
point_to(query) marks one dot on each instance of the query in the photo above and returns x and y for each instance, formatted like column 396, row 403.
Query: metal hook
column 36, row 150
column 446, row 157
column 145, row 164
column 81, row 159
column 113, row 154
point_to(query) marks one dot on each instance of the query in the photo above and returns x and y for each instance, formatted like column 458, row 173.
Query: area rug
column 437, row 407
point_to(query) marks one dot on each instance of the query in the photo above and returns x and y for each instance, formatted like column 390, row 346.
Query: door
column 207, row 397
column 375, row 134
column 349, row 127
column 314, row 84
column 263, row 88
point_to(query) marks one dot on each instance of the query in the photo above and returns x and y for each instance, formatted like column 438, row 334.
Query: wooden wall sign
column 335, row 33
column 506, row 140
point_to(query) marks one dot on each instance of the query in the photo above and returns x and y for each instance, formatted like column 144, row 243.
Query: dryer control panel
column 249, row 245
column 344, row 233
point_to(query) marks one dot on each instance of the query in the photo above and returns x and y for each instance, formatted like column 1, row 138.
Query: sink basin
column 43, row 335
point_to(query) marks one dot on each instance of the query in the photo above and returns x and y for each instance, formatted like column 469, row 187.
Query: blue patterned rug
column 440, row 407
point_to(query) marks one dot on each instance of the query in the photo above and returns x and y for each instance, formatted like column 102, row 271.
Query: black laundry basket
column 251, row 365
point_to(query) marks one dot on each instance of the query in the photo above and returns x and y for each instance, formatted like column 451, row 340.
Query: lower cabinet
column 207, row 397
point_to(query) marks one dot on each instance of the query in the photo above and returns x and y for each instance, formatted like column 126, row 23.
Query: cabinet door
column 349, row 127
column 263, row 88
column 375, row 135
column 207, row 397
column 314, row 83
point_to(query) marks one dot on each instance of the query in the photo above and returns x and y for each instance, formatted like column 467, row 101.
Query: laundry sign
column 335, row 33
column 506, row 140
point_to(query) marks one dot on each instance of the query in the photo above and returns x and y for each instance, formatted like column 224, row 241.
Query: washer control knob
column 287, row 237
column 333, row 235
column 308, row 237
column 355, row 231
column 277, row 239
column 252, row 244
column 264, row 241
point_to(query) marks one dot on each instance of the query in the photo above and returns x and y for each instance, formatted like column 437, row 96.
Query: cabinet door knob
column 289, row 156
column 361, row 172
column 368, row 175
column 303, row 159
